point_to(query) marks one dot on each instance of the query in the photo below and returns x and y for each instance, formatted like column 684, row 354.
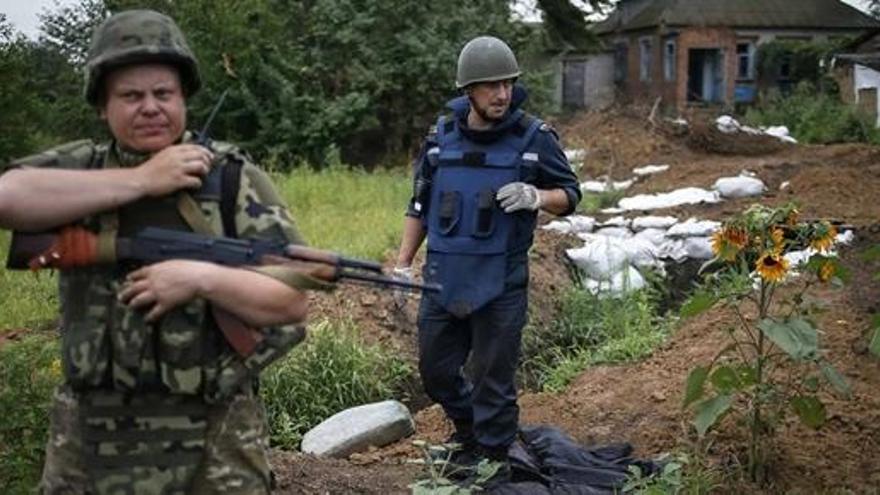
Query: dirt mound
column 640, row 403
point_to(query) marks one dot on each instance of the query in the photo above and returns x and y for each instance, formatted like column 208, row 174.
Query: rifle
column 73, row 247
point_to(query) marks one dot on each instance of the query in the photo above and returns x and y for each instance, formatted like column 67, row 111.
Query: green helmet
column 138, row 36
column 485, row 58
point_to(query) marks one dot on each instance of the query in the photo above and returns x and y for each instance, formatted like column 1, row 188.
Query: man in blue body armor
column 482, row 175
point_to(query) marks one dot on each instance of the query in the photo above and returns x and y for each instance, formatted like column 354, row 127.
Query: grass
column 592, row 330
column 348, row 210
column 29, row 371
column 332, row 371
column 27, row 300
column 593, row 203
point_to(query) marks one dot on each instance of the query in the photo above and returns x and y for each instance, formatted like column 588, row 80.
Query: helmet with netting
column 138, row 37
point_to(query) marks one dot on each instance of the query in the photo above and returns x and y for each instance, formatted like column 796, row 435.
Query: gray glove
column 404, row 274
column 519, row 196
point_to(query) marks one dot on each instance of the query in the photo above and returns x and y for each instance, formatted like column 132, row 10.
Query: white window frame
column 646, row 61
column 750, row 55
column 670, row 59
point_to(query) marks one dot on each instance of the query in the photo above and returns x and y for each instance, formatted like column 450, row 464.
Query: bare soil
column 641, row 403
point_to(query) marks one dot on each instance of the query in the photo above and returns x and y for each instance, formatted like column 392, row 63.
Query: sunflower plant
column 771, row 365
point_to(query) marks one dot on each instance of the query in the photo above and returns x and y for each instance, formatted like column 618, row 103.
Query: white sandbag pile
column 742, row 186
column 616, row 256
column 729, row 125
column 684, row 196
column 600, row 186
column 650, row 170
column 572, row 224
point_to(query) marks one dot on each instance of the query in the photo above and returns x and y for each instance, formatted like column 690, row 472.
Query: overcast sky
column 23, row 13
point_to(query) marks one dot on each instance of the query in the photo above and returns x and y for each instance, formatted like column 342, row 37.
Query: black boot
column 460, row 452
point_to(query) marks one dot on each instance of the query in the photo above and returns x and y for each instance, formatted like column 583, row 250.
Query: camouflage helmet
column 138, row 36
column 485, row 58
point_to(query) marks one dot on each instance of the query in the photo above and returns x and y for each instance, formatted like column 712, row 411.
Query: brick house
column 703, row 51
column 857, row 72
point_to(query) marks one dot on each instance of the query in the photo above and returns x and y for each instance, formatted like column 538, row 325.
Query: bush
column 814, row 117
column 29, row 371
column 331, row 372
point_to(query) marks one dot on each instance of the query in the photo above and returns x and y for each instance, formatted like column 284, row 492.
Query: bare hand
column 181, row 166
column 163, row 286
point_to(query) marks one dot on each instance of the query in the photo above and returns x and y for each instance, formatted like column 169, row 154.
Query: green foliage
column 332, row 371
column 591, row 330
column 813, row 116
column 348, row 210
column 27, row 300
column 305, row 78
column 594, row 202
column 680, row 474
column 802, row 60
column 746, row 374
column 29, row 371
column 438, row 471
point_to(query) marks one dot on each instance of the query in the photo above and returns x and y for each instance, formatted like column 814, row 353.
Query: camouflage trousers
column 217, row 448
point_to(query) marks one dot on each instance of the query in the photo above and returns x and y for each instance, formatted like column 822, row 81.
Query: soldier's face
column 144, row 106
column 490, row 100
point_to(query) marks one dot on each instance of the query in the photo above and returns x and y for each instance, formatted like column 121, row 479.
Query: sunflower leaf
column 697, row 303
column 874, row 347
column 725, row 380
column 710, row 411
column 810, row 409
column 797, row 337
column 694, row 387
column 837, row 381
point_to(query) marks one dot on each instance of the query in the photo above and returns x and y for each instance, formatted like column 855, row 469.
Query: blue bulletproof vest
column 469, row 235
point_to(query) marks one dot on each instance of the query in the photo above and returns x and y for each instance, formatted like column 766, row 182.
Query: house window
column 745, row 58
column 621, row 62
column 669, row 60
column 645, row 61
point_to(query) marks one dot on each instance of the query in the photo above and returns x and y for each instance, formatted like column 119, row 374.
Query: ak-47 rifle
column 73, row 247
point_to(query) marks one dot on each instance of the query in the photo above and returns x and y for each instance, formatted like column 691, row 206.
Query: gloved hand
column 404, row 274
column 519, row 196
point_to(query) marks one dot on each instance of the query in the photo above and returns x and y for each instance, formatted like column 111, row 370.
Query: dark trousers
column 493, row 336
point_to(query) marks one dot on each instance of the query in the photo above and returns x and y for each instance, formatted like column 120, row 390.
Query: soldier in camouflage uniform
column 154, row 399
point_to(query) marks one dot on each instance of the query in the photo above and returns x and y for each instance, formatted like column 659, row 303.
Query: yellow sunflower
column 777, row 236
column 772, row 267
column 728, row 242
column 825, row 235
column 826, row 271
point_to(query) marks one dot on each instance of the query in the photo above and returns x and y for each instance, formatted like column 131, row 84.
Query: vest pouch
column 484, row 223
column 85, row 350
column 450, row 212
column 180, row 345
column 130, row 344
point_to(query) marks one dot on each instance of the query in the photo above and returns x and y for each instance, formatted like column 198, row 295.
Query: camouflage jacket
column 107, row 345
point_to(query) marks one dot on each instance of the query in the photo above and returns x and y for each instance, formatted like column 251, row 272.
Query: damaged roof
column 633, row 15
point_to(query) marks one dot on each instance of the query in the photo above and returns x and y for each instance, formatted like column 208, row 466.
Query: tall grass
column 331, row 372
column 27, row 300
column 348, row 210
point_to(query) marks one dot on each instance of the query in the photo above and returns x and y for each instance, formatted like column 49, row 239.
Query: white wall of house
column 866, row 78
column 595, row 74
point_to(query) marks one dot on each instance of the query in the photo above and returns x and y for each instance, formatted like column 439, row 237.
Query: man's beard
column 483, row 114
